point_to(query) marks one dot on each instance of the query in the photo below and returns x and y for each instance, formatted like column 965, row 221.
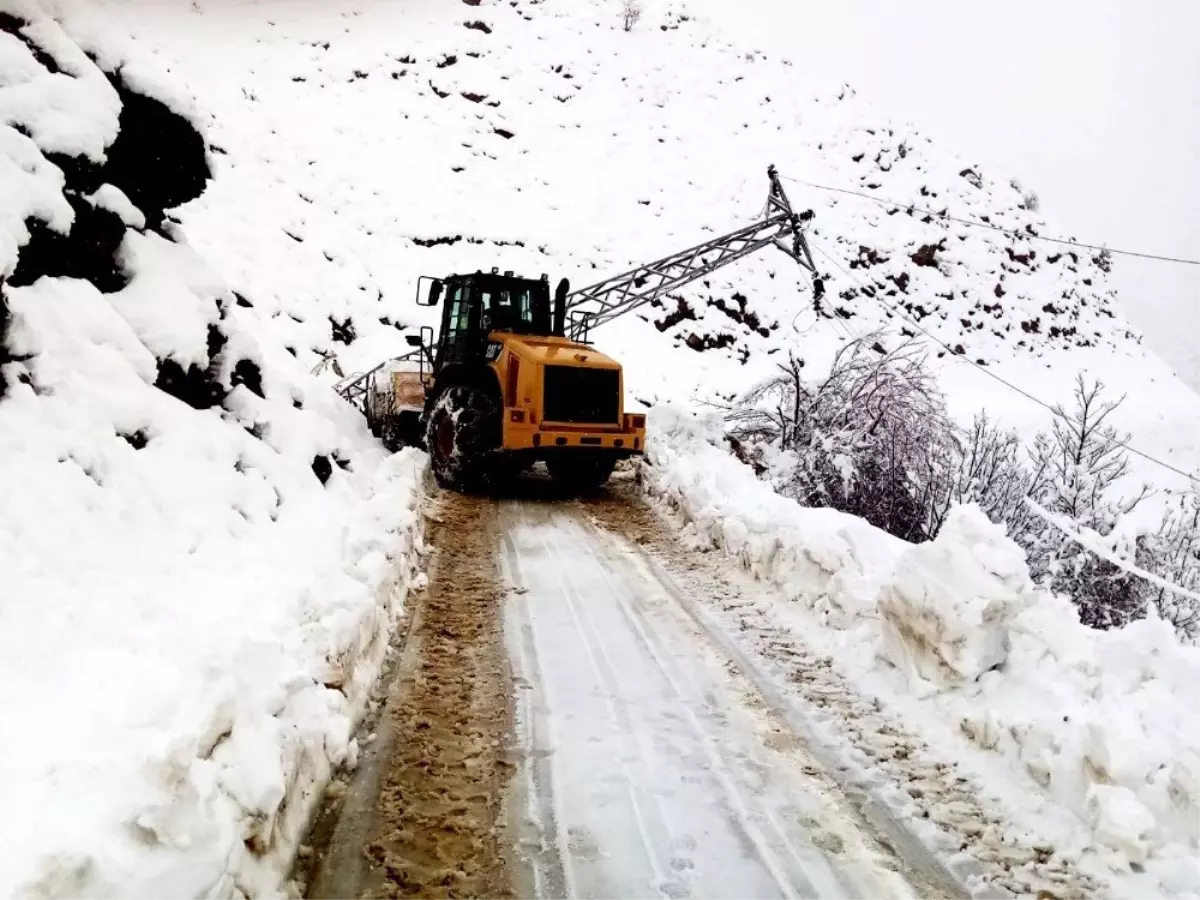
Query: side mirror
column 414, row 340
column 435, row 291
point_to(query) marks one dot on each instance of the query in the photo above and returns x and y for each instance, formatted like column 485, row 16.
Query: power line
column 975, row 223
column 1053, row 409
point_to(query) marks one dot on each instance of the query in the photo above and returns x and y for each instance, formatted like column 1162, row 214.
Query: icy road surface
column 652, row 765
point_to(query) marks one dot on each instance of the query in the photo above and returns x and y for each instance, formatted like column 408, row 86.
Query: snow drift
column 947, row 608
column 1103, row 723
column 202, row 551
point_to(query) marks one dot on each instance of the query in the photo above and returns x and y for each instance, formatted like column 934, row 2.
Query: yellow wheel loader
column 509, row 381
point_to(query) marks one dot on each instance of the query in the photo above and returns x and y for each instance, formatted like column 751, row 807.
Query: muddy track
column 424, row 816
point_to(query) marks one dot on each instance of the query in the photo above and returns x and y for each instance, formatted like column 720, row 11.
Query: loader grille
column 574, row 394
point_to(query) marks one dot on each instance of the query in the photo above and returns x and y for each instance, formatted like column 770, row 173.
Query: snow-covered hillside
column 358, row 146
column 201, row 547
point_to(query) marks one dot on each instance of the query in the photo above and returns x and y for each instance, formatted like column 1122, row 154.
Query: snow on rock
column 203, row 551
column 951, row 637
column 946, row 609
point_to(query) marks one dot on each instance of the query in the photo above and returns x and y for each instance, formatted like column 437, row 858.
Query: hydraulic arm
column 606, row 300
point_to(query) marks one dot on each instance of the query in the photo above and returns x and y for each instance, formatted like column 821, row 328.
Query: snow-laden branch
column 1089, row 539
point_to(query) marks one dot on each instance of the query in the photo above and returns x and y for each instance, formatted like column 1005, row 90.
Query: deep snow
column 196, row 575
column 190, row 614
column 952, row 637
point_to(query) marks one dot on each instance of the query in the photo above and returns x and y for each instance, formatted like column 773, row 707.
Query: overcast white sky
column 1093, row 104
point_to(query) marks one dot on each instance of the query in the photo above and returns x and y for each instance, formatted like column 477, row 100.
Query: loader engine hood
column 554, row 351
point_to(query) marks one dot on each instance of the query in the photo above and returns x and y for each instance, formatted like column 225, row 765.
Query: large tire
column 581, row 471
column 461, row 436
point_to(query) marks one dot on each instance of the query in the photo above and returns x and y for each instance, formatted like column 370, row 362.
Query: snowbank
column 946, row 610
column 824, row 558
column 203, row 552
column 1104, row 724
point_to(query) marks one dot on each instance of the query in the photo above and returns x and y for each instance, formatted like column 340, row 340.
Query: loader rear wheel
column 462, row 432
column 580, row 472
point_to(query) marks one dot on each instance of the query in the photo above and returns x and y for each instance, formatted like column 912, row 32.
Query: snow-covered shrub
column 988, row 469
column 1173, row 553
column 1078, row 464
column 1104, row 723
column 869, row 439
column 873, row 438
column 631, row 13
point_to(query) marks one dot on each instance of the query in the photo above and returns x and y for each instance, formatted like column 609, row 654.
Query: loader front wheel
column 581, row 472
column 462, row 432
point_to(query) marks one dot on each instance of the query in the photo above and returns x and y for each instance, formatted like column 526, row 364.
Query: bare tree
column 870, row 438
column 631, row 13
column 1173, row 553
column 987, row 468
column 1080, row 461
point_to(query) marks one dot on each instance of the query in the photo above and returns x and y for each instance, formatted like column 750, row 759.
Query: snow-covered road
column 653, row 765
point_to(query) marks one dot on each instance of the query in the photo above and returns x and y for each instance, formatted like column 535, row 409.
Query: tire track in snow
column 604, row 671
column 939, row 823
column 610, row 659
column 540, row 815
column 752, row 831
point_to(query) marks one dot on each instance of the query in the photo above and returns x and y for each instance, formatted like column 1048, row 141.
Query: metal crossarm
column 606, row 300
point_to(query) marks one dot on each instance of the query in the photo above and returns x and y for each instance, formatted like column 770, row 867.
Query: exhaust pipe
column 560, row 308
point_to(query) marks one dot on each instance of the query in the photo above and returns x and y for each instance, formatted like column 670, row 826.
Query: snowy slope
column 951, row 638
column 361, row 145
column 202, row 551
column 195, row 535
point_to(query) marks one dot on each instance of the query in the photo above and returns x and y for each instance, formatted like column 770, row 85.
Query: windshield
column 522, row 307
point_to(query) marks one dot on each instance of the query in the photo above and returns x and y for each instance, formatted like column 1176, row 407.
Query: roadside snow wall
column 203, row 552
column 1104, row 723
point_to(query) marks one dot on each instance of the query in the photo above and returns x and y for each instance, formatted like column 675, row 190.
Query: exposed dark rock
column 709, row 342
column 246, row 372
column 434, row 242
column 196, row 387
column 88, row 251
column 13, row 26
column 867, row 257
column 927, row 254
column 322, row 468
column 158, row 157
column 972, row 176
column 6, row 356
column 343, row 332
column 682, row 311
column 137, row 440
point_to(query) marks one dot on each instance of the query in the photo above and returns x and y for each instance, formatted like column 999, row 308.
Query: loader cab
column 474, row 306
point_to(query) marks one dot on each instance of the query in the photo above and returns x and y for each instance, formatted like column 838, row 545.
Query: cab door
column 461, row 339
